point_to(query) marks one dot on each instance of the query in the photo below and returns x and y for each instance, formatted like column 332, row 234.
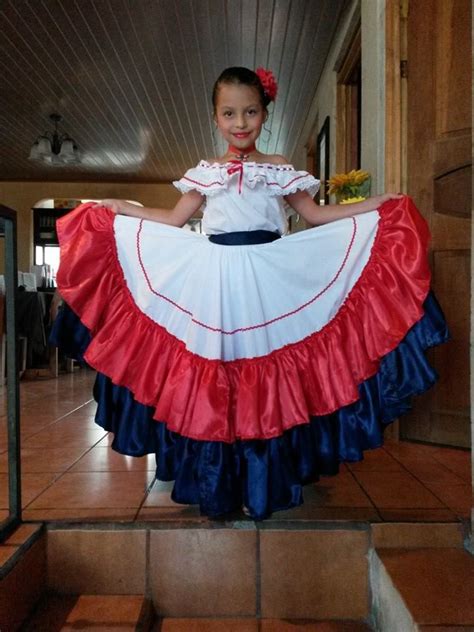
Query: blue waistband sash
column 244, row 238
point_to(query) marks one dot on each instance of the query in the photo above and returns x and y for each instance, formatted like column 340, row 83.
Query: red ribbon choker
column 237, row 164
column 241, row 155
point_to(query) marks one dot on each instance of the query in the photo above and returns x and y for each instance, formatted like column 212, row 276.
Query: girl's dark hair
column 240, row 75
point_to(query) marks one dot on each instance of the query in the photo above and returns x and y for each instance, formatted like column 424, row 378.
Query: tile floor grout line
column 147, row 493
column 445, row 505
column 353, row 474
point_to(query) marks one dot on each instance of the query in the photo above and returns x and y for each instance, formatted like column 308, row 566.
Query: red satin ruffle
column 258, row 398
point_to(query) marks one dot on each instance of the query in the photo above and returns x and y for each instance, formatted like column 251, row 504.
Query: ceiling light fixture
column 54, row 148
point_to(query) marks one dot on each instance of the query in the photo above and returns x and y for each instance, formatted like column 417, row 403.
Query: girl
column 249, row 364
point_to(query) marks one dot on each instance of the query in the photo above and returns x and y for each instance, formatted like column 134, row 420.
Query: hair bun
column 268, row 81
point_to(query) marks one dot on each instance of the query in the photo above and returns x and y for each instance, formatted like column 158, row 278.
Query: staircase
column 237, row 577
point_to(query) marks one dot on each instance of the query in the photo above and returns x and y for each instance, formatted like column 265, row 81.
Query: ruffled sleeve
column 278, row 180
column 282, row 180
column 204, row 178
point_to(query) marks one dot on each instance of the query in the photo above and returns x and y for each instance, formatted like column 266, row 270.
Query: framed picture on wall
column 322, row 162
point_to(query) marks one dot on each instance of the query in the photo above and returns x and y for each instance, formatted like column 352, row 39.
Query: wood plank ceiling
column 132, row 79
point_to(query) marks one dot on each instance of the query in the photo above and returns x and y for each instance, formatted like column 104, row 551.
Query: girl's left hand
column 378, row 200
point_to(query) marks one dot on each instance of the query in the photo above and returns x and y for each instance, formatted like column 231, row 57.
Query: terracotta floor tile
column 51, row 613
column 397, row 490
column 31, row 423
column 457, row 497
column 312, row 512
column 159, row 495
column 411, row 535
column 307, row 625
column 336, row 491
column 95, row 490
column 102, row 561
column 203, row 572
column 6, row 552
column 431, row 471
column 417, row 515
column 208, row 625
column 23, row 586
column 106, row 441
column 32, row 486
column 114, row 612
column 436, row 584
column 378, row 460
column 445, row 628
column 407, row 448
column 104, row 459
column 318, row 559
column 22, row 534
column 114, row 514
column 37, row 460
column 458, row 461
column 176, row 514
column 66, row 434
column 92, row 612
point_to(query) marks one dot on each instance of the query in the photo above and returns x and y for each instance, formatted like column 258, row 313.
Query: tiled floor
column 70, row 472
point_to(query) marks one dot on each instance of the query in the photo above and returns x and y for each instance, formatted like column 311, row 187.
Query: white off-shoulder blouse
column 244, row 196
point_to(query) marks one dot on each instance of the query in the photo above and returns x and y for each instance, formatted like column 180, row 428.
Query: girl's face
column 239, row 114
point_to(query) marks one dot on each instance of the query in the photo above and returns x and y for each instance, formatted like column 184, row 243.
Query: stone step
column 101, row 613
column 425, row 588
column 255, row 625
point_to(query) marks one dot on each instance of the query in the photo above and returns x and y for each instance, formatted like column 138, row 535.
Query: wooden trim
column 352, row 58
column 395, row 114
column 346, row 92
column 395, row 97
column 341, row 128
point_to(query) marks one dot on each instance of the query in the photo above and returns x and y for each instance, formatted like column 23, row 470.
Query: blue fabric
column 69, row 334
column 265, row 475
column 247, row 238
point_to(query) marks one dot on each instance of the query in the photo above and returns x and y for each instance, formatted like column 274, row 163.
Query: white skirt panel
column 233, row 302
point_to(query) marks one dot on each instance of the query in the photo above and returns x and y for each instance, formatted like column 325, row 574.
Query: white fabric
column 259, row 205
column 195, row 289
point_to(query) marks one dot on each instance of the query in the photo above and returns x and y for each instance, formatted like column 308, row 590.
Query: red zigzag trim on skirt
column 250, row 327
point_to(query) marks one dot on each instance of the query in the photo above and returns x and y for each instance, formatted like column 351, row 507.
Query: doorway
column 438, row 177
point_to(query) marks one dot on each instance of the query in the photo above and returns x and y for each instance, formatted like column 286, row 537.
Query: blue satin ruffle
column 264, row 475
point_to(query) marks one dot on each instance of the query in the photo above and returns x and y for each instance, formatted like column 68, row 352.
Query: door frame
column 396, row 126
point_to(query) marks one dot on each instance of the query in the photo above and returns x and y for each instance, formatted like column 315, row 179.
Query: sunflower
column 354, row 184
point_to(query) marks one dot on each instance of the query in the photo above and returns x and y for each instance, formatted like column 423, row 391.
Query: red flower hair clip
column 268, row 82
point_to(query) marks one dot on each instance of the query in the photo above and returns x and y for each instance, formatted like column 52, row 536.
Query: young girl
column 249, row 364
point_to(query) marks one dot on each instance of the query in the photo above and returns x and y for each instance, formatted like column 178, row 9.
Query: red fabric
column 239, row 152
column 256, row 398
column 237, row 166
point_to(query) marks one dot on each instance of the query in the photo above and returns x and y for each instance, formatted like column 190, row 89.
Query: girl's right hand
column 120, row 207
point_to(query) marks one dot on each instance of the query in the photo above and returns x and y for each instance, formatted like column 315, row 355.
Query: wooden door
column 438, row 177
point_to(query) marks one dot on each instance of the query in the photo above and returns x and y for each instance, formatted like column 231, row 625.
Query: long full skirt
column 251, row 369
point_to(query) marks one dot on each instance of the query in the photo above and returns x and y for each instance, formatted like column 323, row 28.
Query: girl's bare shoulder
column 274, row 159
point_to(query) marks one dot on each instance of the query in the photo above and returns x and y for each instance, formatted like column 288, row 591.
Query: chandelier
column 54, row 148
